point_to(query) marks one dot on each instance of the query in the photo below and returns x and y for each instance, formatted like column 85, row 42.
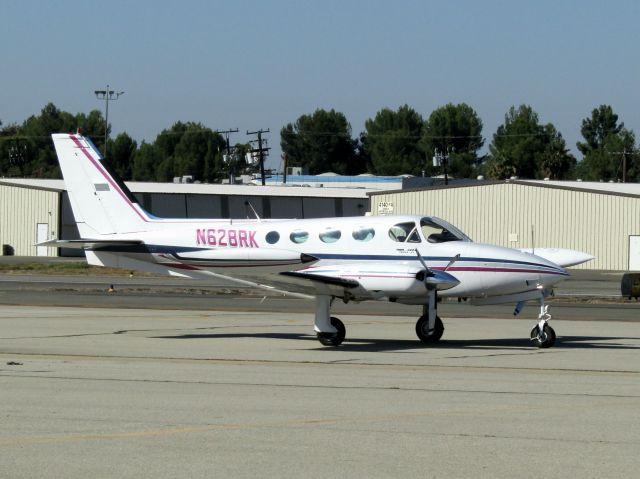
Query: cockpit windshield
column 436, row 230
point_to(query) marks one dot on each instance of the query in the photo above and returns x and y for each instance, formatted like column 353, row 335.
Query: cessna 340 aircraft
column 404, row 259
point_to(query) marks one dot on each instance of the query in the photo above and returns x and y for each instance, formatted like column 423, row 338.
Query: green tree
column 595, row 130
column 607, row 144
column 33, row 140
column 456, row 130
column 41, row 158
column 92, row 126
column 391, row 142
column 146, row 161
column 189, row 149
column 556, row 163
column 321, row 142
column 12, row 151
column 523, row 147
column 122, row 153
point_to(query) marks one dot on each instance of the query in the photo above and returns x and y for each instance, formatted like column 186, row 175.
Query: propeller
column 428, row 273
column 437, row 279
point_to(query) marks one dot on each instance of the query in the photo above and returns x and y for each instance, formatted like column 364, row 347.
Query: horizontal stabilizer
column 88, row 243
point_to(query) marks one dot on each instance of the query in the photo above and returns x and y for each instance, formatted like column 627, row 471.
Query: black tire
column 548, row 337
column 422, row 326
column 333, row 339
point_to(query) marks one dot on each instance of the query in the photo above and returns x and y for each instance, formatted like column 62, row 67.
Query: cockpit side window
column 439, row 233
column 404, row 233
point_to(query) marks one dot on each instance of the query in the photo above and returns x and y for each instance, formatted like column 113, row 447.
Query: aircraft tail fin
column 101, row 202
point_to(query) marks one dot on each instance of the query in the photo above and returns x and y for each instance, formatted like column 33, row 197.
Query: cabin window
column 299, row 236
column 363, row 233
column 404, row 233
column 330, row 235
column 272, row 237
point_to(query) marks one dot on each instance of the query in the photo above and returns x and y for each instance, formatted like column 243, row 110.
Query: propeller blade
column 453, row 260
column 424, row 265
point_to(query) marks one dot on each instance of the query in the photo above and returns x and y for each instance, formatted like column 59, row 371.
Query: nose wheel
column 543, row 335
column 544, row 338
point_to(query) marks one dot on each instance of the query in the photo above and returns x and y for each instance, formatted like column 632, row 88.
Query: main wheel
column 544, row 340
column 333, row 339
column 422, row 330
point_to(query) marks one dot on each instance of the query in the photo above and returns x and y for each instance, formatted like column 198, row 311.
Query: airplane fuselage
column 378, row 252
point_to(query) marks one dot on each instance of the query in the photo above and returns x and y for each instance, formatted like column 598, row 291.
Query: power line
column 228, row 155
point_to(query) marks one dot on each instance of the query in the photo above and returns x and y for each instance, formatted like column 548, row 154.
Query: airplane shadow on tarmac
column 381, row 345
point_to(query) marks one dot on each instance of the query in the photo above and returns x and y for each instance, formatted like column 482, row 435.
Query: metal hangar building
column 602, row 219
column 32, row 210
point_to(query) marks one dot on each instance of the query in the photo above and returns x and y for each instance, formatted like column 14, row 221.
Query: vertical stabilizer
column 101, row 202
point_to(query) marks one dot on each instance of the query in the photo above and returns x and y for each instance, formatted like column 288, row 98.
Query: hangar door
column 634, row 253
column 42, row 235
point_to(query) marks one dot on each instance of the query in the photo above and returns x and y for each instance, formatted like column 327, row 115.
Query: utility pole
column 17, row 153
column 285, row 158
column 261, row 151
column 624, row 154
column 442, row 159
column 107, row 95
column 228, row 155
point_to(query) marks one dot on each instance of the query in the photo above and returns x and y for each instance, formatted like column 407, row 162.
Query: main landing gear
column 425, row 334
column 329, row 330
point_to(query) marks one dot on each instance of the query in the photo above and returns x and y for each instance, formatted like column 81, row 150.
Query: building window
column 330, row 236
column 273, row 237
column 363, row 233
column 299, row 236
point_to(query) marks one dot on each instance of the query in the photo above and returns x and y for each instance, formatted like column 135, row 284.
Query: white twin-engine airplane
column 404, row 259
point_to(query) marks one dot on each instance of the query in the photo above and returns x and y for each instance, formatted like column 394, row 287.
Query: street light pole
column 107, row 95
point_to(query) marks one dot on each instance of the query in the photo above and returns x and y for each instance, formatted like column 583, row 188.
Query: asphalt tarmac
column 147, row 382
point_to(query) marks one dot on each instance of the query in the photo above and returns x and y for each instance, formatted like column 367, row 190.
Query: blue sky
column 251, row 65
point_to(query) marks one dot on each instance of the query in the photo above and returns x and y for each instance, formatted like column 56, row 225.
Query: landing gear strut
column 329, row 330
column 543, row 335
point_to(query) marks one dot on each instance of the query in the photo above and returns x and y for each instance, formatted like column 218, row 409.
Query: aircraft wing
column 317, row 284
column 363, row 281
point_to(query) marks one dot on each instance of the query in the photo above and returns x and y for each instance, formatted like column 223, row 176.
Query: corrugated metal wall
column 21, row 209
column 597, row 223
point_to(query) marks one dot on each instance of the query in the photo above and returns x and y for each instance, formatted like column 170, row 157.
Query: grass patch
column 77, row 268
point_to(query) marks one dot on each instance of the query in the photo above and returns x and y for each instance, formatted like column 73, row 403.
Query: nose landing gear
column 543, row 335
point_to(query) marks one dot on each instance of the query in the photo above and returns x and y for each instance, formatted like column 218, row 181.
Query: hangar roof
column 204, row 189
column 624, row 189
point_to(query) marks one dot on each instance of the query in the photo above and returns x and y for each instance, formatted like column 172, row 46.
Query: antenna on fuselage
column 246, row 203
